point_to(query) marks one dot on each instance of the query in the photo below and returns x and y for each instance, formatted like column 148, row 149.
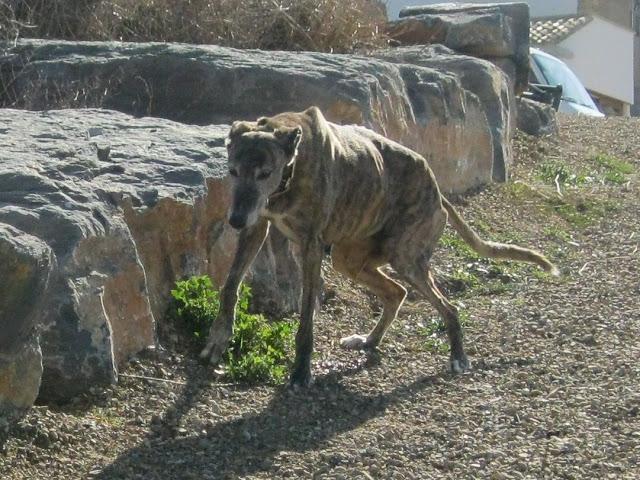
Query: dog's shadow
column 292, row 421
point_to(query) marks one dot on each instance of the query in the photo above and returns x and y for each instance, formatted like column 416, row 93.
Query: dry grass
column 316, row 25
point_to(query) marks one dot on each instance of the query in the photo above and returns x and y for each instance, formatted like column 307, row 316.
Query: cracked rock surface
column 100, row 213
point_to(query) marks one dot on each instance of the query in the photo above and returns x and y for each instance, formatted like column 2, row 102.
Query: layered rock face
column 100, row 214
column 26, row 263
column 497, row 32
column 481, row 78
column 424, row 108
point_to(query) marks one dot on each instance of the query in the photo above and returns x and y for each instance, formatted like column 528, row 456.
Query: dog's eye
column 263, row 175
column 233, row 172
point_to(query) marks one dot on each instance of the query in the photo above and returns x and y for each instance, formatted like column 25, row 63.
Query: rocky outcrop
column 26, row 263
column 478, row 76
column 535, row 118
column 100, row 214
column 497, row 32
column 424, row 108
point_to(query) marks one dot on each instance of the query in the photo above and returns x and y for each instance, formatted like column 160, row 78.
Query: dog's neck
column 286, row 176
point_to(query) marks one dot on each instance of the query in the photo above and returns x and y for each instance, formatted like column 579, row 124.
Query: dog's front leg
column 311, row 280
column 249, row 244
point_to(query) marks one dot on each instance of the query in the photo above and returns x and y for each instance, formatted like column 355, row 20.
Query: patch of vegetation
column 259, row 349
column 550, row 170
column 105, row 416
column 579, row 212
column 556, row 233
column 612, row 169
column 454, row 243
column 480, row 275
column 608, row 169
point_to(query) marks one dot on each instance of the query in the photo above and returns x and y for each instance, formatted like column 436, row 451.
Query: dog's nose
column 237, row 221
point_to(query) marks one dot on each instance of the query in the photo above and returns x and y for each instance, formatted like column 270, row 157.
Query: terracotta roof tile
column 557, row 29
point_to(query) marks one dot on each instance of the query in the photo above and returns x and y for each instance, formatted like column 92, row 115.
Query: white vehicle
column 549, row 70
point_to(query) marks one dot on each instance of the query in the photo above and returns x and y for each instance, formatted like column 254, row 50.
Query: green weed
column 259, row 349
column 580, row 213
column 612, row 169
column 454, row 243
column 556, row 233
column 551, row 170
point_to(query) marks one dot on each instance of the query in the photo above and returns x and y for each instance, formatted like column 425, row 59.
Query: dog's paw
column 300, row 379
column 460, row 365
column 354, row 342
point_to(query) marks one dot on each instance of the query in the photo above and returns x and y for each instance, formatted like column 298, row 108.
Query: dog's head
column 257, row 161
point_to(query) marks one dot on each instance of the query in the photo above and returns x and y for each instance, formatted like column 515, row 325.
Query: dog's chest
column 283, row 224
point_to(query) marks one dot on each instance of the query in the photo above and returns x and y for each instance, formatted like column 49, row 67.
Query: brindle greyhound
column 373, row 200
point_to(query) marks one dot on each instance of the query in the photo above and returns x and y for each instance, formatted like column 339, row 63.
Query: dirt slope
column 554, row 392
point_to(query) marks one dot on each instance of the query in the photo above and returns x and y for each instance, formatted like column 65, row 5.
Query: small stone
column 42, row 440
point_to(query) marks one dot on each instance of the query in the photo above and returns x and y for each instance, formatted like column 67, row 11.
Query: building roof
column 554, row 30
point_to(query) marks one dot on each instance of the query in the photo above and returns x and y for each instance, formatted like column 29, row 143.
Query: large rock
column 535, row 118
column 480, row 77
column 112, row 210
column 25, row 267
column 424, row 108
column 498, row 32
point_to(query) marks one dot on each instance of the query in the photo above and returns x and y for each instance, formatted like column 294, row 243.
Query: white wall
column 601, row 55
column 539, row 8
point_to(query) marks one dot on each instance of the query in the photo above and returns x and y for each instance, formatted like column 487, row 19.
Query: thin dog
column 374, row 201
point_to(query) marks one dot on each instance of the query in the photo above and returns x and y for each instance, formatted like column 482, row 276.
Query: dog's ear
column 289, row 139
column 237, row 129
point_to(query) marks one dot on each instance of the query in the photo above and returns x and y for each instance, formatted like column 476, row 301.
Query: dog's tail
column 493, row 249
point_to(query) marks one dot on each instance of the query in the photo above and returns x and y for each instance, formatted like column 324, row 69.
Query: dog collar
column 284, row 183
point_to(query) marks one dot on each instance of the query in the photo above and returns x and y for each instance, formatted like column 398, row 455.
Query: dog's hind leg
column 412, row 251
column 422, row 280
column 364, row 270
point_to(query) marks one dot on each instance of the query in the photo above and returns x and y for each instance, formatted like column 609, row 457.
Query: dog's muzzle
column 237, row 221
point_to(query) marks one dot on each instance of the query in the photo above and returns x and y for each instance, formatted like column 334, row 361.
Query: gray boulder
column 498, row 32
column 26, row 263
column 424, row 108
column 535, row 118
column 480, row 77
column 112, row 210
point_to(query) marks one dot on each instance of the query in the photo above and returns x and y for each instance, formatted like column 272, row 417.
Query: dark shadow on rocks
column 293, row 421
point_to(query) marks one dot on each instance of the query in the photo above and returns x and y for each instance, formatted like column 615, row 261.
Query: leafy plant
column 259, row 348
column 196, row 304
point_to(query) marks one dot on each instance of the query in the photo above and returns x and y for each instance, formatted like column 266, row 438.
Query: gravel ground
column 554, row 392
